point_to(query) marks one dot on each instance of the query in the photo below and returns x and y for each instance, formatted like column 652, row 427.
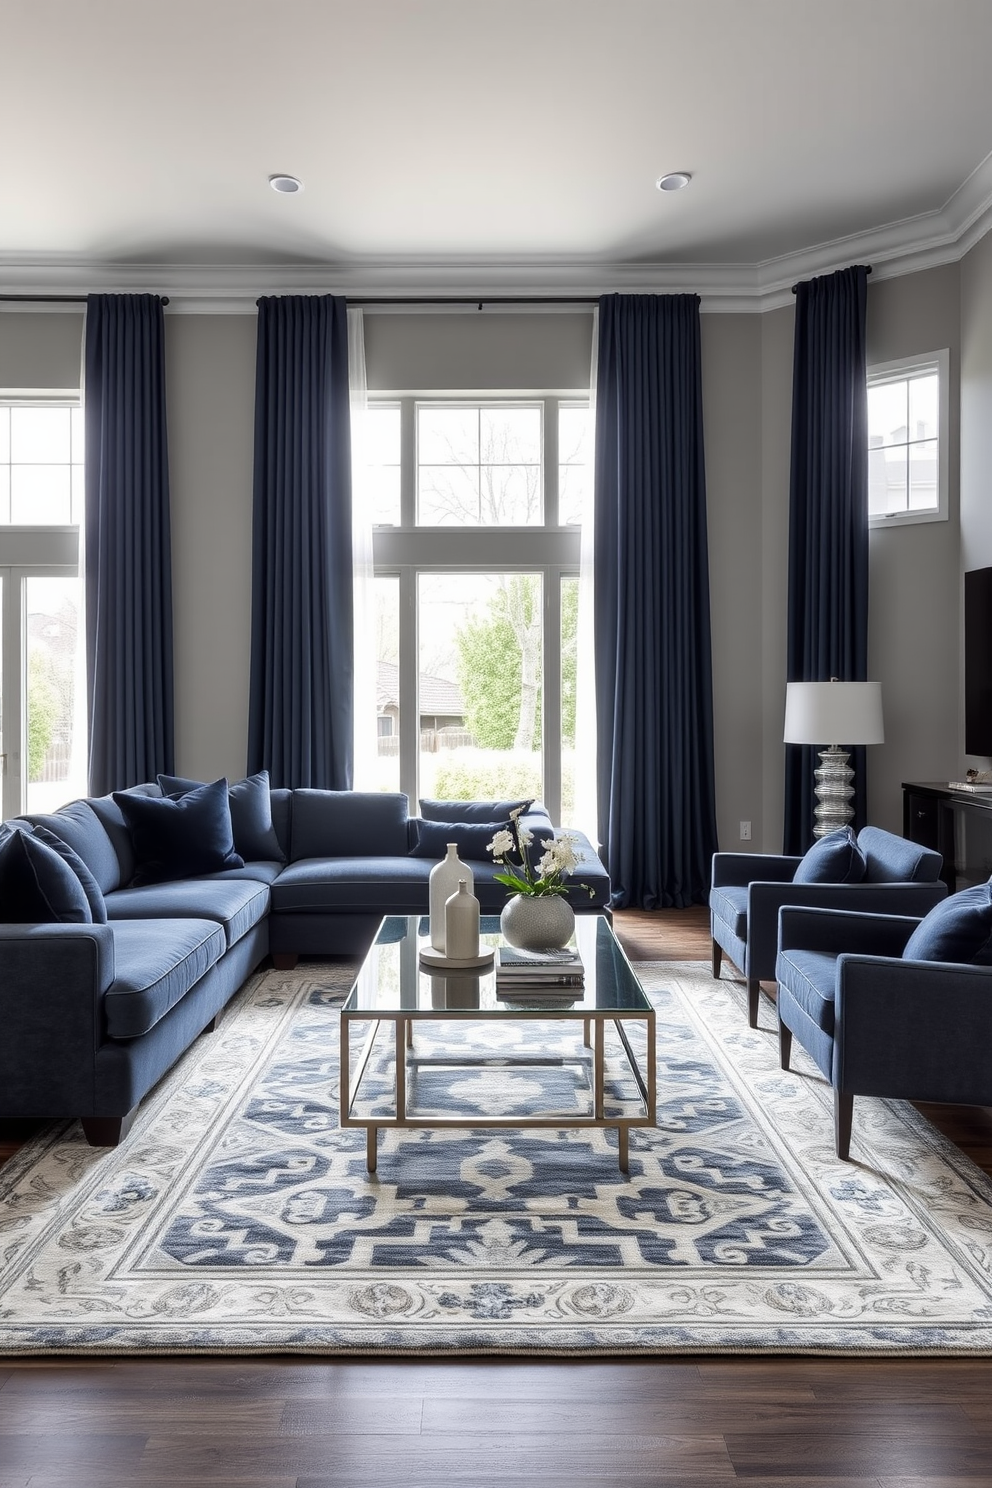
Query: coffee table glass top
column 392, row 979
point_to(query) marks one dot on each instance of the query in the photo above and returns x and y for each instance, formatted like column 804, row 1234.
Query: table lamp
column 818, row 711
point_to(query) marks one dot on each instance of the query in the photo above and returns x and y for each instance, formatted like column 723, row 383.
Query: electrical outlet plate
column 745, row 831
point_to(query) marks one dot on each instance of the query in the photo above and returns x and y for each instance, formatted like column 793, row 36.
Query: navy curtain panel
column 828, row 518
column 301, row 708
column 654, row 704
column 127, row 545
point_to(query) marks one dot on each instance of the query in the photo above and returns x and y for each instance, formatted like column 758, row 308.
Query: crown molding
column 926, row 241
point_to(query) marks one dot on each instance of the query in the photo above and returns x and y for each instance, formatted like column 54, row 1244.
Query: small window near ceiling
column 479, row 465
column 41, row 464
column 907, row 441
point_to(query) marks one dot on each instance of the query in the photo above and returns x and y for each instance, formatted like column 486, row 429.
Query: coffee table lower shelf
column 405, row 1056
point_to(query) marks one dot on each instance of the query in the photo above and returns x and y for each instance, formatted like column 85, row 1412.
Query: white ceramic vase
column 537, row 922
column 442, row 884
column 461, row 924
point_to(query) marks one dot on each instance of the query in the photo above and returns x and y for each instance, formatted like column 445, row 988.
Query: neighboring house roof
column 437, row 696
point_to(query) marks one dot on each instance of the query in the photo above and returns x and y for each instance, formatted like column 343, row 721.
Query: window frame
column 548, row 549
column 899, row 370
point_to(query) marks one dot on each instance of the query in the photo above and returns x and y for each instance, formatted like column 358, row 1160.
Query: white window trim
column 904, row 367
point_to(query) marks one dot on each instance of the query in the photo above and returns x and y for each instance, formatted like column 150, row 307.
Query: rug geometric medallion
column 238, row 1217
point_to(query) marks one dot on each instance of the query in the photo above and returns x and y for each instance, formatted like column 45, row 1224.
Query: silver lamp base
column 833, row 791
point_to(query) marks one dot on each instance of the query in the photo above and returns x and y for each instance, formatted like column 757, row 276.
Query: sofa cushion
column 157, row 962
column 180, row 838
column 37, row 884
column 957, row 929
column 471, row 811
column 235, row 904
column 348, row 824
column 811, row 977
column 835, row 858
column 251, row 813
column 80, row 827
column 471, row 838
column 373, row 885
column 111, row 818
column 92, row 890
column 729, row 904
column 892, row 859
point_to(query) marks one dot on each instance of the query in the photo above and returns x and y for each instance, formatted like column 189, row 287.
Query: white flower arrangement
column 559, row 858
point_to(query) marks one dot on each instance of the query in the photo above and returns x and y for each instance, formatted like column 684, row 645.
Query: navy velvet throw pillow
column 92, row 890
column 472, row 811
column 37, row 886
column 182, row 837
column 250, row 801
column 472, row 839
column 957, row 929
column 836, row 858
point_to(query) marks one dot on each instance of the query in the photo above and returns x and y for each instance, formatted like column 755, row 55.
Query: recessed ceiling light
column 674, row 181
column 285, row 185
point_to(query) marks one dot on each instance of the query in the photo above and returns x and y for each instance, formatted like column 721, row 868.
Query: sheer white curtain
column 364, row 777
column 585, row 681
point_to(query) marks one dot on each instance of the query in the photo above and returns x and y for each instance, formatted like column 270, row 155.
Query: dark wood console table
column 957, row 824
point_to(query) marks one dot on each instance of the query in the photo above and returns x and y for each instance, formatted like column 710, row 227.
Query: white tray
column 439, row 962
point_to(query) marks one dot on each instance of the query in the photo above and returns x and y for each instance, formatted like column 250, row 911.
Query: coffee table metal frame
column 612, row 995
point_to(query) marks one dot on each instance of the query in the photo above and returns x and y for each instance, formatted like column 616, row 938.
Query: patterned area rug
column 239, row 1218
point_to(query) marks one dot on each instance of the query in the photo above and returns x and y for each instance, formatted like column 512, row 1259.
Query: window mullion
column 551, row 689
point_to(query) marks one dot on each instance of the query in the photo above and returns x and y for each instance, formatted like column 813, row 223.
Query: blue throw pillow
column 92, row 890
column 250, row 801
column 472, row 811
column 957, row 929
column 37, row 885
column 472, row 839
column 180, row 838
column 836, row 858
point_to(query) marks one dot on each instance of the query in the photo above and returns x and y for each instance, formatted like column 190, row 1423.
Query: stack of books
column 530, row 976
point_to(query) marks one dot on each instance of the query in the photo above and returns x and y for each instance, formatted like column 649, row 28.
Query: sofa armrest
column 913, row 1030
column 766, row 899
column 738, row 869
column 837, row 930
column 52, row 983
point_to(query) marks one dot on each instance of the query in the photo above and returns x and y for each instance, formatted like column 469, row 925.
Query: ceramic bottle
column 461, row 924
column 442, row 884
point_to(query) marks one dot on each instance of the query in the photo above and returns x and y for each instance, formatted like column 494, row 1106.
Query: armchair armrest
column 809, row 929
column 913, row 1030
column 739, row 869
column 766, row 899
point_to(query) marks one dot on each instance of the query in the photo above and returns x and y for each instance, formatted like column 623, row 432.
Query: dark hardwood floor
column 358, row 1422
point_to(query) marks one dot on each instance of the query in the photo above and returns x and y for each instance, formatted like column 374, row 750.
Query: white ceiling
column 485, row 142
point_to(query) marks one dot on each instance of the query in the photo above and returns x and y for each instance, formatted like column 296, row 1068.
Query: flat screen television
column 978, row 662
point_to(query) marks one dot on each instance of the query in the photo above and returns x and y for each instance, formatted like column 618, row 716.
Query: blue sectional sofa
column 94, row 1013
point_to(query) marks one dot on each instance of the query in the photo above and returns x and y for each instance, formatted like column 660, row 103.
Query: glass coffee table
column 394, row 992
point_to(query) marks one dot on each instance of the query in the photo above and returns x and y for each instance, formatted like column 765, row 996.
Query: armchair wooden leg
column 843, row 1117
column 784, row 1044
column 717, row 960
column 753, row 997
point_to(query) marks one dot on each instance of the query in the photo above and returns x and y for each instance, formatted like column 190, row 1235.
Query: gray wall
column 210, row 376
column 40, row 350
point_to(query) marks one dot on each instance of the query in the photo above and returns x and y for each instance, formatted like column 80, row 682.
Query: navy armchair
column 749, row 889
column 875, row 1023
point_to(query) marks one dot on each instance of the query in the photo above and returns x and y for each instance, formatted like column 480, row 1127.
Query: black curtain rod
column 796, row 286
column 52, row 299
column 359, row 300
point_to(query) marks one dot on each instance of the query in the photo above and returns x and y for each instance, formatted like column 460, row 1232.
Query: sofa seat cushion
column 375, row 885
column 236, row 905
column 728, row 904
column 258, row 871
column 157, row 962
column 810, row 977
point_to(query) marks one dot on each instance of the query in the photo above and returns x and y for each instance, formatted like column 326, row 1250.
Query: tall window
column 476, row 550
column 907, row 440
column 42, row 721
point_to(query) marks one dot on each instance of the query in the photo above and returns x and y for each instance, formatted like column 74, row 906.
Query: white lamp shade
column 833, row 713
